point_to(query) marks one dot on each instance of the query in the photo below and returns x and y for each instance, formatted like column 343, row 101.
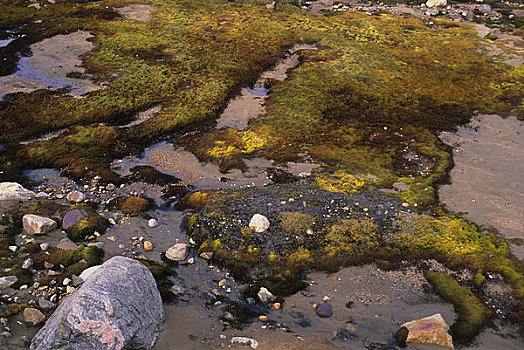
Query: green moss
column 87, row 226
column 472, row 313
column 296, row 222
column 91, row 255
column 479, row 280
column 130, row 205
column 12, row 309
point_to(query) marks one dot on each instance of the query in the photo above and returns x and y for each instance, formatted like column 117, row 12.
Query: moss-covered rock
column 130, row 205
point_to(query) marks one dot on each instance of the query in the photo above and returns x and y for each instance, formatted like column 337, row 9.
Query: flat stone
column 7, row 281
column 38, row 225
column 14, row 191
column 428, row 330
column 72, row 218
column 44, row 246
column 45, row 304
column 436, row 3
column 259, row 223
column 178, row 252
column 245, row 341
column 66, row 244
column 33, row 316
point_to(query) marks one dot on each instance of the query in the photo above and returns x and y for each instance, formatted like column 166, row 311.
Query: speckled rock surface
column 118, row 307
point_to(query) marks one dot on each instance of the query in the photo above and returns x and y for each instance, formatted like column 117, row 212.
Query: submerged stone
column 324, row 310
column 178, row 252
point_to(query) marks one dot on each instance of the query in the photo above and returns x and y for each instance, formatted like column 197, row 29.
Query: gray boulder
column 117, row 307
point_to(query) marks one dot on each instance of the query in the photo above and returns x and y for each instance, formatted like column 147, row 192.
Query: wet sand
column 487, row 181
column 50, row 66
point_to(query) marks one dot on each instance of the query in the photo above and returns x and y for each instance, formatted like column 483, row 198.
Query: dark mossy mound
column 311, row 228
column 130, row 205
column 472, row 313
column 93, row 222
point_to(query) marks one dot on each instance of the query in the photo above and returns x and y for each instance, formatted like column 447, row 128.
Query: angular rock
column 72, row 218
column 259, row 223
column 38, row 225
column 66, row 244
column 33, row 316
column 436, row 3
column 118, row 306
column 178, row 252
column 428, row 330
column 148, row 246
column 27, row 263
column 14, row 191
column 7, row 281
column 265, row 295
column 245, row 341
column 75, row 197
column 324, row 310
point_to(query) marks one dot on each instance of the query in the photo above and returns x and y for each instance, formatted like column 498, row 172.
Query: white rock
column 259, row 223
column 14, row 191
column 37, row 225
column 7, row 281
column 27, row 263
column 13, row 248
column 152, row 223
column 178, row 252
column 436, row 3
column 245, row 341
column 112, row 221
column 265, row 295
column 44, row 246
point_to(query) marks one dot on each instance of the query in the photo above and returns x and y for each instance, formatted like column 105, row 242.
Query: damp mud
column 486, row 182
column 55, row 64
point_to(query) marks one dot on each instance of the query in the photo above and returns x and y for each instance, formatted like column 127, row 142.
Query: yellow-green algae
column 377, row 84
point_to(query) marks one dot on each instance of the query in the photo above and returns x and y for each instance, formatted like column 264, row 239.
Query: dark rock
column 324, row 310
column 401, row 336
column 71, row 218
column 151, row 175
column 118, row 306
column 280, row 176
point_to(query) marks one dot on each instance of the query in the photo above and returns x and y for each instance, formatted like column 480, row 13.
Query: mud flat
column 55, row 64
column 487, row 181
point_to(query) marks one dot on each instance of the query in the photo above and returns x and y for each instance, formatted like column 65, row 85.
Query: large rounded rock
column 75, row 197
column 38, row 225
column 259, row 223
column 33, row 316
column 14, row 191
column 428, row 330
column 117, row 307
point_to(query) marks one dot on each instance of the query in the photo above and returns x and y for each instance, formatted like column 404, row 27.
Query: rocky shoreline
column 227, row 225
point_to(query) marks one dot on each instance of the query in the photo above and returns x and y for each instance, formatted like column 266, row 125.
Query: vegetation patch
column 472, row 313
